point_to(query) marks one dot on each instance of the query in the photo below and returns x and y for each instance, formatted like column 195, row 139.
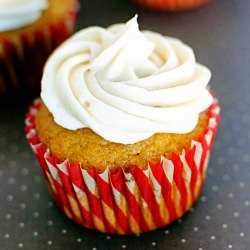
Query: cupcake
column 124, row 128
column 170, row 5
column 29, row 31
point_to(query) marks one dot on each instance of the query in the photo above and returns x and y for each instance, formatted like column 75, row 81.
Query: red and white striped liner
column 125, row 203
column 22, row 58
column 171, row 5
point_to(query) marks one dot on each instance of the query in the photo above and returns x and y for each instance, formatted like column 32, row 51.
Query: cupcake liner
column 22, row 57
column 170, row 5
column 127, row 202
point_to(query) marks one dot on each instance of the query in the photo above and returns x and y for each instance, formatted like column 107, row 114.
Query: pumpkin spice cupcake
column 29, row 31
column 125, row 127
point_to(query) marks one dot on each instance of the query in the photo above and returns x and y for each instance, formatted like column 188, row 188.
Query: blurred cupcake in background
column 171, row 5
column 29, row 31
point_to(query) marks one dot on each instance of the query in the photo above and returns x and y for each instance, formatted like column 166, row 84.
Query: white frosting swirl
column 16, row 14
column 124, row 84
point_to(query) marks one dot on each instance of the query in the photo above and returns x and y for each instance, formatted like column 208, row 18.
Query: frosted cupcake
column 29, row 31
column 124, row 129
column 171, row 5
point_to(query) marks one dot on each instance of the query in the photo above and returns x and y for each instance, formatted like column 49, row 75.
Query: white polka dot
column 94, row 248
column 37, row 178
column 210, row 171
column 215, row 188
column 6, row 236
column 22, row 206
column 208, row 217
column 21, row 225
column 183, row 240
column 231, row 195
column 236, row 214
column 50, row 204
column 20, row 245
column 64, row 231
column 242, row 184
column 9, row 197
column 221, row 161
column 50, row 222
column 11, row 180
column 203, row 198
column 79, row 240
column 23, row 188
column 236, row 168
column 226, row 177
column 212, row 237
column 35, row 234
column 153, row 243
column 247, row 203
column 49, row 242
column 24, row 171
column 36, row 196
column 192, row 209
column 36, row 214
column 8, row 216
column 196, row 229
column 242, row 234
column 124, row 246
column 219, row 206
column 108, row 237
column 166, row 231
column 230, row 246
column 246, row 158
column 224, row 226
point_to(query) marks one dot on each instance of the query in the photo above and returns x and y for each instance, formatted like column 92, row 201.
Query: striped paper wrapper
column 171, row 5
column 127, row 202
column 22, row 58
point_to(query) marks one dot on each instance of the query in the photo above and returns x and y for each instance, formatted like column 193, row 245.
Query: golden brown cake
column 83, row 145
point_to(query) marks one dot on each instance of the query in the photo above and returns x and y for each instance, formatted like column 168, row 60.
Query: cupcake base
column 127, row 202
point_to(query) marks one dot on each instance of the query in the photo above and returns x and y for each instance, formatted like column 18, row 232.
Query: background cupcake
column 171, row 5
column 29, row 32
column 124, row 139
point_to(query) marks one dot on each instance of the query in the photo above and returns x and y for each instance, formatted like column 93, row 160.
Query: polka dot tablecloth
column 220, row 219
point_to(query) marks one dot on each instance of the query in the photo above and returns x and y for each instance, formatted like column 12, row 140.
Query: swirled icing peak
column 124, row 84
column 16, row 14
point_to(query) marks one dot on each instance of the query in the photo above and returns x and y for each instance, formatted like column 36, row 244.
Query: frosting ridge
column 124, row 84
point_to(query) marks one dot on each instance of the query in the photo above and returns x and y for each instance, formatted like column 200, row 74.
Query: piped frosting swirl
column 124, row 84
